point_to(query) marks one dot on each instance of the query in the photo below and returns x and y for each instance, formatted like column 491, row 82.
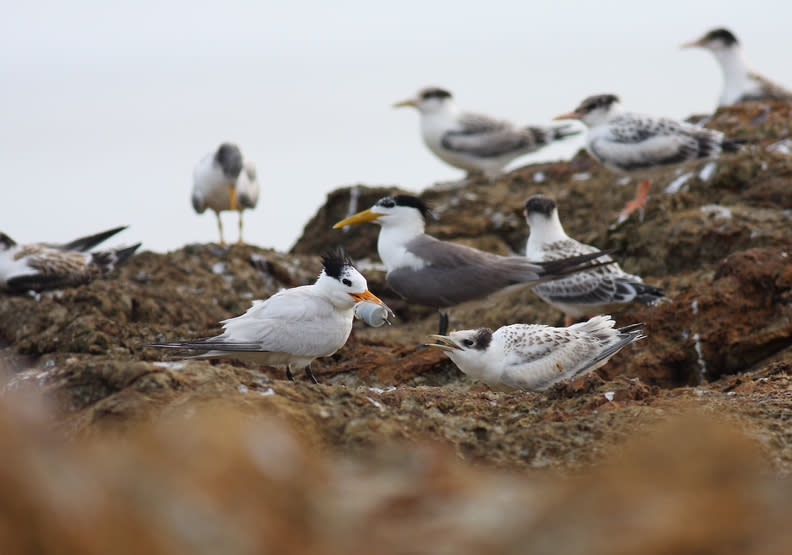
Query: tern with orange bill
column 630, row 142
column 426, row 271
column 295, row 326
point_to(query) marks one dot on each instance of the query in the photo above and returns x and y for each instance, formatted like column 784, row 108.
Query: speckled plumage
column 599, row 290
column 533, row 356
column 37, row 267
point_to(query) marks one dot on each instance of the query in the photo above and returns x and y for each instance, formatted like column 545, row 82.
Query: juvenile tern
column 740, row 82
column 225, row 180
column 295, row 326
column 532, row 356
column 601, row 290
column 439, row 274
column 37, row 267
column 474, row 142
column 631, row 142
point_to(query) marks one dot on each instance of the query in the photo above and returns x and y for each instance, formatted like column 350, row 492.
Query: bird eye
column 346, row 282
column 387, row 203
column 467, row 343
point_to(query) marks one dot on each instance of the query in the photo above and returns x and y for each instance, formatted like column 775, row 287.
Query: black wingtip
column 88, row 242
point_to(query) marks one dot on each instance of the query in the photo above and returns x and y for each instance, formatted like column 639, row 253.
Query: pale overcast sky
column 106, row 109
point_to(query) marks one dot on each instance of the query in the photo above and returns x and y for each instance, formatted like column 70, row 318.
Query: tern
column 740, row 82
column 532, row 356
column 424, row 270
column 36, row 267
column 225, row 180
column 295, row 326
column 473, row 142
column 631, row 142
column 600, row 290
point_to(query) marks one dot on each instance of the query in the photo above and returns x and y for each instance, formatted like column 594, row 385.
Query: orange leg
column 638, row 202
column 568, row 321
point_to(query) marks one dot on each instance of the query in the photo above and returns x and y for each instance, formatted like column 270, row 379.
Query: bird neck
column 544, row 231
column 392, row 244
column 733, row 65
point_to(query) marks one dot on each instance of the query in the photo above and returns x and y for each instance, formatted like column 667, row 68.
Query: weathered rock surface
column 112, row 446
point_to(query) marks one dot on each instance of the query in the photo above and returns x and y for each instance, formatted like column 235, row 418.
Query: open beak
column 366, row 296
column 443, row 342
column 409, row 102
column 568, row 115
column 359, row 218
column 691, row 44
column 232, row 197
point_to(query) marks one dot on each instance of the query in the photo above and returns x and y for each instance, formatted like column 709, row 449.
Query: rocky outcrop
column 108, row 442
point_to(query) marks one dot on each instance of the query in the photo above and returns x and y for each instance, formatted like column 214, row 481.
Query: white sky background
column 104, row 110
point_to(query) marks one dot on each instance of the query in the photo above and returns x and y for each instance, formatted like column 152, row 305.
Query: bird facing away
column 36, row 267
column 631, row 142
column 740, row 82
column 225, row 180
column 601, row 290
column 295, row 326
column 473, row 142
column 426, row 271
column 533, row 356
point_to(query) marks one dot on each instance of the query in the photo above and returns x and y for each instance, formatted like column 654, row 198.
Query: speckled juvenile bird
column 601, row 290
column 532, row 356
column 631, row 142
column 473, row 142
column 225, row 180
column 36, row 267
column 740, row 82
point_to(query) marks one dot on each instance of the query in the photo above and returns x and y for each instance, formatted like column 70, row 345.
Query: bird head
column 595, row 110
column 464, row 347
column 429, row 100
column 397, row 211
column 716, row 40
column 342, row 283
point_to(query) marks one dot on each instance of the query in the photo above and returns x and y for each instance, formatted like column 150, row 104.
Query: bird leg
column 232, row 198
column 568, row 321
column 289, row 373
column 310, row 374
column 641, row 192
column 442, row 327
column 240, row 242
column 220, row 228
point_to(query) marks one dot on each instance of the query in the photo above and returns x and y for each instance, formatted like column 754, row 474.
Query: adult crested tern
column 225, row 180
column 600, row 290
column 38, row 267
column 534, row 357
column 294, row 326
column 631, row 142
column 740, row 82
column 474, row 142
column 439, row 274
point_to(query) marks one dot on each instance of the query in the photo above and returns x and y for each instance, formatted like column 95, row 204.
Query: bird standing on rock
column 293, row 327
column 740, row 82
column 631, row 142
column 429, row 272
column 600, row 290
column 225, row 180
column 475, row 143
column 534, row 357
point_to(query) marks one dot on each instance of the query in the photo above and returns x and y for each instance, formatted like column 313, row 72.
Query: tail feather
column 88, row 242
column 209, row 344
column 647, row 294
column 109, row 259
